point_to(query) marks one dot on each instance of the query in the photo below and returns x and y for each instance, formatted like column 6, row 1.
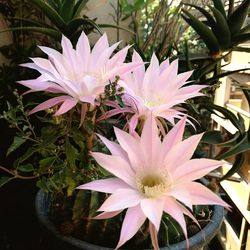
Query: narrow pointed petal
column 118, row 58
column 182, row 152
column 182, row 78
column 51, row 52
column 107, row 215
column 66, row 106
column 105, row 186
column 30, row 66
column 83, row 50
column 67, row 47
column 139, row 72
column 114, row 148
column 151, row 74
column 194, row 169
column 105, row 55
column 151, row 142
column 153, row 208
column 44, row 66
column 189, row 214
column 117, row 166
column 201, row 195
column 120, row 70
column 131, row 146
column 190, row 92
column 113, row 112
column 182, row 194
column 101, row 45
column 172, row 208
column 164, row 65
column 173, row 137
column 153, row 236
column 169, row 73
column 132, row 222
column 121, row 199
column 39, row 85
column 83, row 46
column 133, row 123
column 49, row 103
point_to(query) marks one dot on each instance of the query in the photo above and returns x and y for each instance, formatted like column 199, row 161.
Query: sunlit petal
column 132, row 222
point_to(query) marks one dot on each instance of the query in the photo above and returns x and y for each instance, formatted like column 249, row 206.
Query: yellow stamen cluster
column 153, row 103
column 153, row 184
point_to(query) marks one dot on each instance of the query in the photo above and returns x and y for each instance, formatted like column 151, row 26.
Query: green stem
column 16, row 175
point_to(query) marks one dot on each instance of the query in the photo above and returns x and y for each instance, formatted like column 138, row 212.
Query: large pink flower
column 152, row 177
column 79, row 74
column 157, row 90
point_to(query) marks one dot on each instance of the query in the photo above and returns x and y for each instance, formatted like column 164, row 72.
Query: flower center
column 154, row 184
column 153, row 103
column 78, row 77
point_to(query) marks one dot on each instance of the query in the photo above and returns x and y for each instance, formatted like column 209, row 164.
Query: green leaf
column 17, row 142
column 53, row 4
column 67, row 10
column 79, row 6
column 43, row 184
column 44, row 164
column 206, row 68
column 75, row 24
column 26, row 155
column 71, row 185
column 103, row 25
column 242, row 146
column 241, row 49
column 51, row 13
column 218, row 4
column 5, row 179
column 241, row 122
column 237, row 18
column 222, row 30
column 216, row 77
column 119, row 100
column 26, row 168
column 139, row 4
column 28, row 21
column 247, row 95
column 212, row 137
column 46, row 31
column 127, row 8
column 208, row 16
column 78, row 138
column 189, row 65
column 241, row 38
column 239, row 160
column 80, row 204
column 246, row 29
column 71, row 154
column 231, row 142
column 227, row 115
column 203, row 31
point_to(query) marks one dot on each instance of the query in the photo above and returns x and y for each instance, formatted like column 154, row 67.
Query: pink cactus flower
column 80, row 74
column 152, row 177
column 157, row 90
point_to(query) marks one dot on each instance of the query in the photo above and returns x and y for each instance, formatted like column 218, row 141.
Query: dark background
column 19, row 228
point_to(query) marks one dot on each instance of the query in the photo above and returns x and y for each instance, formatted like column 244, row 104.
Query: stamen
column 150, row 103
column 153, row 184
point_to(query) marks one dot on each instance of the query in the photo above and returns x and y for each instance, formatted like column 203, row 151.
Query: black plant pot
column 198, row 241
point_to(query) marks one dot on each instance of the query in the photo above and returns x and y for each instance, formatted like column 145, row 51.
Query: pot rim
column 196, row 241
